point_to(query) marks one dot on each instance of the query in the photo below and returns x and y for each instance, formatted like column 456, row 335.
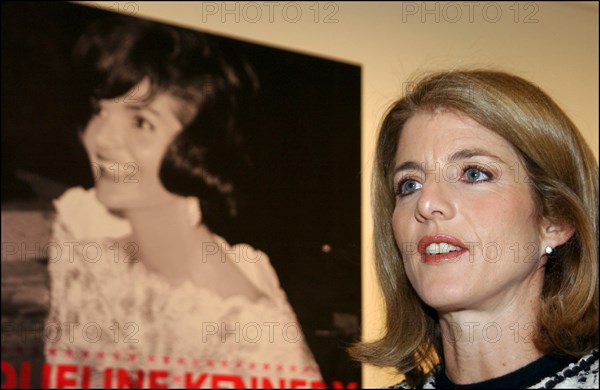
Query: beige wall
column 555, row 45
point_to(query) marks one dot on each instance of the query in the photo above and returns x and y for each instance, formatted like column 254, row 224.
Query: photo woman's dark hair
column 118, row 52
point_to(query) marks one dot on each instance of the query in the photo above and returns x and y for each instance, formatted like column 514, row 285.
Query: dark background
column 302, row 133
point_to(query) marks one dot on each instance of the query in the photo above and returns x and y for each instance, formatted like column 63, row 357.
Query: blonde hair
column 563, row 177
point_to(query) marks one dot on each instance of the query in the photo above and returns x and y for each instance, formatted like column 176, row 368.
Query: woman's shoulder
column 255, row 265
column 80, row 213
column 582, row 374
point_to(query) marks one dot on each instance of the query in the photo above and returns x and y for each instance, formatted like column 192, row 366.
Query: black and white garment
column 548, row 372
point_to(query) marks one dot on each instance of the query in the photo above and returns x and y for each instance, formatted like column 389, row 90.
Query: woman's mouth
column 439, row 248
column 104, row 168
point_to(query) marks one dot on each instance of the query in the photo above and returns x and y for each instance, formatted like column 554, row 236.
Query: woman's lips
column 439, row 248
column 105, row 168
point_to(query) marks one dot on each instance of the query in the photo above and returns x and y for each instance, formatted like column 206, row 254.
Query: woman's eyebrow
column 139, row 107
column 474, row 152
column 462, row 154
column 407, row 166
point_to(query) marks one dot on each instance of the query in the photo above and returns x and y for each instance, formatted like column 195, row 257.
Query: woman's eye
column 473, row 175
column 407, row 187
column 143, row 124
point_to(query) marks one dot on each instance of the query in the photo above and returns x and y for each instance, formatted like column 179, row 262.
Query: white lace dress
column 119, row 324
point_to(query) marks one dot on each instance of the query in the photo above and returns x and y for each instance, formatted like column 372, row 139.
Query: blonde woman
column 486, row 229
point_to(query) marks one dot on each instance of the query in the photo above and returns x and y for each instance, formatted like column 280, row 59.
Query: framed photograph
column 291, row 236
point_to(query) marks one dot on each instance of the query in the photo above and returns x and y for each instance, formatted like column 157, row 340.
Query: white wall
column 555, row 45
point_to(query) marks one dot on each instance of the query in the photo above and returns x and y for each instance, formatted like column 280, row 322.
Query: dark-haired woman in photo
column 486, row 238
column 141, row 272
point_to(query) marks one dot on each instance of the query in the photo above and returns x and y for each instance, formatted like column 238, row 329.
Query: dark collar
column 524, row 377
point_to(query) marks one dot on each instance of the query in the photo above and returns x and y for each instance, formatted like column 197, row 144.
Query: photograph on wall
column 179, row 209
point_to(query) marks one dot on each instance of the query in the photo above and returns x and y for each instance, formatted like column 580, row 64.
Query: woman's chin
column 123, row 198
column 448, row 300
column 116, row 200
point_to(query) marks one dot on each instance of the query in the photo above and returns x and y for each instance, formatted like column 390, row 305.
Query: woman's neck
column 485, row 344
column 168, row 242
column 165, row 239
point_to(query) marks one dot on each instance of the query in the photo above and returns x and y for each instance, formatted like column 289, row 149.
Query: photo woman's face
column 464, row 218
column 126, row 139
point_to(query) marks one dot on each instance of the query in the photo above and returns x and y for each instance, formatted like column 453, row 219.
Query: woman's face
column 464, row 219
column 126, row 140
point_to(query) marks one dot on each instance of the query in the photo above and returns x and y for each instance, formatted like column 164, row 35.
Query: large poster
column 257, row 149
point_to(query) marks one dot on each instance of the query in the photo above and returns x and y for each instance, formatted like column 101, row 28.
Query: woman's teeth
column 442, row 247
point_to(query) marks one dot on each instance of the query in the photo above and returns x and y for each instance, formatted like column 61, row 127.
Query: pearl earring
column 194, row 213
column 549, row 250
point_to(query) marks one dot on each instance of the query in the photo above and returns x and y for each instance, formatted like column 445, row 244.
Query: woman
column 486, row 226
column 153, row 295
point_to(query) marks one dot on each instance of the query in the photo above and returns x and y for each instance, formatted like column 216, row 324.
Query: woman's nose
column 107, row 130
column 435, row 201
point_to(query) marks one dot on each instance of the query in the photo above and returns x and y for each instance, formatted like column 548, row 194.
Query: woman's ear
column 556, row 233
